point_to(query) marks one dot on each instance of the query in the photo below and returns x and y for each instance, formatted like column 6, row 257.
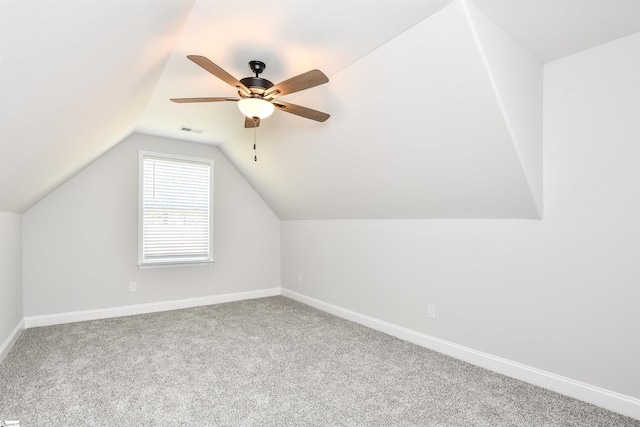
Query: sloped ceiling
column 435, row 105
column 76, row 78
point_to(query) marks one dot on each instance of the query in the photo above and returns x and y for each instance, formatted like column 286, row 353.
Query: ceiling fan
column 257, row 96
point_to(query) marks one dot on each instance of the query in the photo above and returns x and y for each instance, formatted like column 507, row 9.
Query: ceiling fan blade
column 217, row 99
column 305, row 112
column 219, row 73
column 295, row 84
column 250, row 123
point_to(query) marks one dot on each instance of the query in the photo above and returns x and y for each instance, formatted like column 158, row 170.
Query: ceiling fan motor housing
column 256, row 83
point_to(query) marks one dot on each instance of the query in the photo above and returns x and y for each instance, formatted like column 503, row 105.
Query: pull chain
column 255, row 125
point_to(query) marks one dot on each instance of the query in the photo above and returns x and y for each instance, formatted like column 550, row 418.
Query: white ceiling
column 422, row 124
column 553, row 29
column 76, row 79
column 299, row 36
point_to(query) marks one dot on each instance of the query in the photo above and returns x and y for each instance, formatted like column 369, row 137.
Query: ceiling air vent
column 191, row 130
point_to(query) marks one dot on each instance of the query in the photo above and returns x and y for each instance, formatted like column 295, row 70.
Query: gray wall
column 80, row 242
column 10, row 273
column 561, row 294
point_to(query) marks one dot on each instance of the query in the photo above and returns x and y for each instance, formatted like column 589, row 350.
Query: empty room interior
column 436, row 222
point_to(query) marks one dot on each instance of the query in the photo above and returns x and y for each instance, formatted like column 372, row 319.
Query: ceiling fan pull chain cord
column 255, row 153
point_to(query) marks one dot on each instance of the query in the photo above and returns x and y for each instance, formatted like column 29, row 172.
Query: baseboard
column 11, row 340
column 607, row 399
column 130, row 310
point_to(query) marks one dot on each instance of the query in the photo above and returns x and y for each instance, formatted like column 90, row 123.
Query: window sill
column 174, row 264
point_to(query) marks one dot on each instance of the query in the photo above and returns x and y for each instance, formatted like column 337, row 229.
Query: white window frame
column 142, row 263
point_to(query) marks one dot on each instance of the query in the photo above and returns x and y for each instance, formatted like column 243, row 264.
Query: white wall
column 80, row 242
column 10, row 274
column 561, row 294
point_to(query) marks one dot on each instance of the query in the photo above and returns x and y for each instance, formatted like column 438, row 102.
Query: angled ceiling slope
column 435, row 104
column 445, row 121
column 297, row 36
column 553, row 29
column 433, row 124
column 76, row 77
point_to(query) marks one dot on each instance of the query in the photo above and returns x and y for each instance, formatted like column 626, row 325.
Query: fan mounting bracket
column 257, row 67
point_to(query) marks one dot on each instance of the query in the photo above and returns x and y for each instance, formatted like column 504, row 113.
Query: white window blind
column 175, row 214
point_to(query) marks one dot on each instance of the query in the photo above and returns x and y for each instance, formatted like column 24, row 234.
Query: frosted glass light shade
column 255, row 107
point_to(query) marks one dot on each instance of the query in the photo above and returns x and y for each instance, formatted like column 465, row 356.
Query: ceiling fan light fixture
column 256, row 107
column 257, row 95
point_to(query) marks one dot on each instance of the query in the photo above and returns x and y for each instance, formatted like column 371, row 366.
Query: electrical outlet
column 299, row 277
column 133, row 286
column 431, row 311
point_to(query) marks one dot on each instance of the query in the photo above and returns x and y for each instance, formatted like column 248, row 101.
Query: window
column 174, row 217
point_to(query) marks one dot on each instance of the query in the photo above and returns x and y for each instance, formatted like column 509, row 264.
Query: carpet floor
column 263, row 362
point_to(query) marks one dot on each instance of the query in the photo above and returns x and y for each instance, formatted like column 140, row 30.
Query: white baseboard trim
column 11, row 340
column 130, row 310
column 598, row 396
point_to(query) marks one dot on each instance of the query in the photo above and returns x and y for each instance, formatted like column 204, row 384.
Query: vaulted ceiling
column 436, row 106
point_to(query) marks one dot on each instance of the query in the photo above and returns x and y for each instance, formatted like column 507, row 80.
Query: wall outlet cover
column 431, row 311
